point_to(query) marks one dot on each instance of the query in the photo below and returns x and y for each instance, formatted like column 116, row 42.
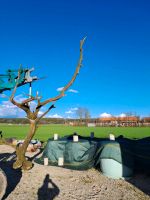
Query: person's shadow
column 48, row 193
column 13, row 176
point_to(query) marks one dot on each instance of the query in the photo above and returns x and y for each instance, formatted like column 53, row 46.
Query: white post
column 111, row 137
column 60, row 161
column 55, row 136
column 75, row 138
column 45, row 161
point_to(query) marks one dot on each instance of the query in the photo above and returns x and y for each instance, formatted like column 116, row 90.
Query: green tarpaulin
column 87, row 152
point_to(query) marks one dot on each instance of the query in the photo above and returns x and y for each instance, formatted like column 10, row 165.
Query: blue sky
column 45, row 34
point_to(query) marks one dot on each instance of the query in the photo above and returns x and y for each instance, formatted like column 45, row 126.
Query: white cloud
column 74, row 109
column 7, row 104
column 33, row 105
column 69, row 112
column 40, row 112
column 73, row 91
column 7, row 109
column 60, row 89
column 3, row 96
column 68, row 117
column 70, row 90
column 20, row 98
column 122, row 115
column 55, row 116
column 105, row 115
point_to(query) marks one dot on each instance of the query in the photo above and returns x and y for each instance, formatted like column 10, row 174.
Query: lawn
column 46, row 131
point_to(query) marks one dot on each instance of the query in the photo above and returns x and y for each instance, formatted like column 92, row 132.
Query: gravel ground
column 48, row 182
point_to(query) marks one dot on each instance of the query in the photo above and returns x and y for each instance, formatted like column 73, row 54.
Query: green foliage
column 46, row 131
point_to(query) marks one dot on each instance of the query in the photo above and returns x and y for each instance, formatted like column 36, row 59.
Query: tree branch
column 39, row 118
column 31, row 98
column 14, row 92
column 24, row 106
column 28, row 100
column 70, row 82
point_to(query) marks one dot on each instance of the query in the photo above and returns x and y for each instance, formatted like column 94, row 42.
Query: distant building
column 91, row 124
column 146, row 121
column 119, row 121
column 128, row 121
column 107, row 121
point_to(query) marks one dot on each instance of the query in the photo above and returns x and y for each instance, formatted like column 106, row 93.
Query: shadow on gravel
column 13, row 176
column 136, row 155
column 141, row 180
column 46, row 192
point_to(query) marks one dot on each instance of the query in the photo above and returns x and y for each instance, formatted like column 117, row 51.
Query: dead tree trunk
column 33, row 117
column 21, row 150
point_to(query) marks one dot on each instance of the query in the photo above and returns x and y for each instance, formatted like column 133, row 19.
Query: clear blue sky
column 116, row 66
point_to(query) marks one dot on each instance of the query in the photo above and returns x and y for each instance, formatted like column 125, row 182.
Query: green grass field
column 46, row 131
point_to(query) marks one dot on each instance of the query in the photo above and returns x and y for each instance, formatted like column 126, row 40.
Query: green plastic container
column 116, row 160
column 113, row 169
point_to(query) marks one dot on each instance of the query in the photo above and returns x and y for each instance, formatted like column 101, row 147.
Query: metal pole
column 30, row 91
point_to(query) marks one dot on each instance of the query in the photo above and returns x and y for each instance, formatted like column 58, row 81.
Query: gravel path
column 48, row 182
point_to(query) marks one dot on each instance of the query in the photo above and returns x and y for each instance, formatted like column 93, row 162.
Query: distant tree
column 80, row 113
column 86, row 115
column 34, row 118
column 83, row 114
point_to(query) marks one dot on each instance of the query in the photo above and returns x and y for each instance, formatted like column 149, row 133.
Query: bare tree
column 86, row 115
column 83, row 114
column 33, row 116
column 80, row 113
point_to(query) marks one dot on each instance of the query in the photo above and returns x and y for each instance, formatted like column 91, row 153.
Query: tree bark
column 21, row 161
